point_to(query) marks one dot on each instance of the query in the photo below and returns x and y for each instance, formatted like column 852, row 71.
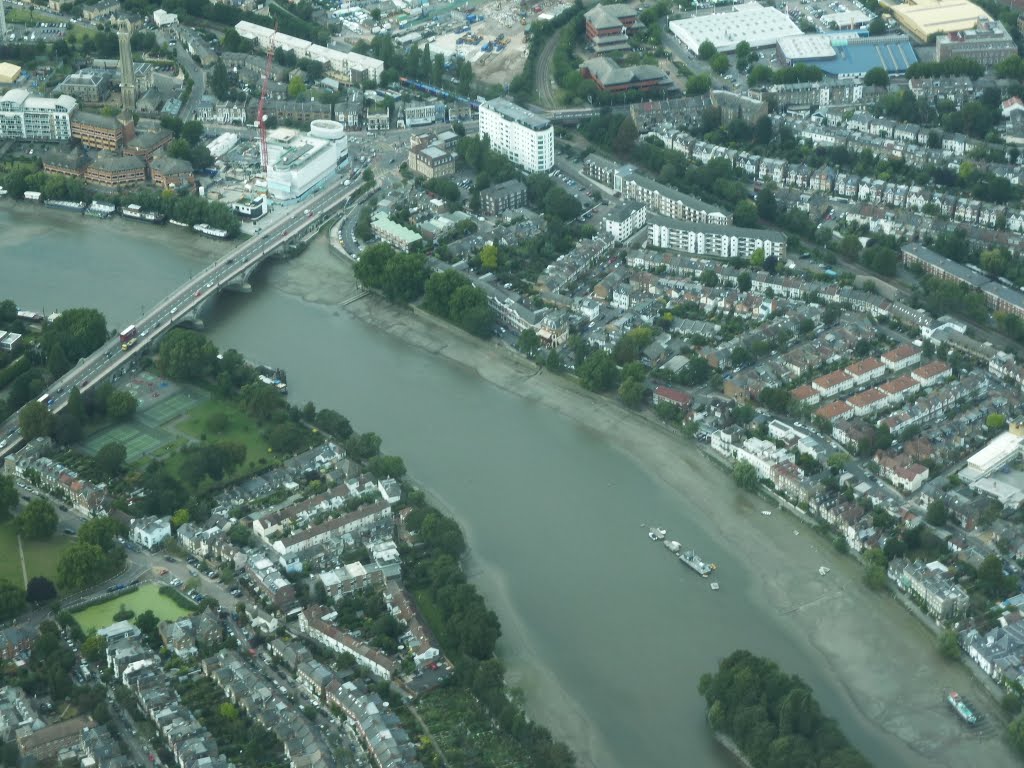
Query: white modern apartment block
column 35, row 118
column 526, row 139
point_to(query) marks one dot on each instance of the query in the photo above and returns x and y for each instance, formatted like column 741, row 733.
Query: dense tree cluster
column 773, row 717
column 399, row 276
column 419, row 64
column 451, row 296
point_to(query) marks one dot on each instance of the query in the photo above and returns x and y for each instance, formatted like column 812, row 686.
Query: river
column 605, row 633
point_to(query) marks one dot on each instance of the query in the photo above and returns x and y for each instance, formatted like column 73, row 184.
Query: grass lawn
column 145, row 598
column 241, row 429
column 40, row 556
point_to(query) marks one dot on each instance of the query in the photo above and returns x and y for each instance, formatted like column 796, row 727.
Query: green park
column 41, row 556
column 145, row 598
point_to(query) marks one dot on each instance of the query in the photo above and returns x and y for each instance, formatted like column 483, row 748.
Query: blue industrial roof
column 859, row 56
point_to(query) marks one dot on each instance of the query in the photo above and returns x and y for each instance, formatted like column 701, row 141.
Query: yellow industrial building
column 923, row 19
column 9, row 73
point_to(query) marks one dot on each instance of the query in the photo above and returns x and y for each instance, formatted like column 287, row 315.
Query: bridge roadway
column 177, row 307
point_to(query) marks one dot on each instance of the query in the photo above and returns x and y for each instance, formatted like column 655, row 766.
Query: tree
column 94, row 648
column 948, row 646
column 186, row 356
column 147, row 622
column 12, row 600
column 937, row 513
column 333, row 423
column 745, row 214
column 528, row 343
column 706, row 50
column 744, row 475
column 179, row 518
column 296, row 87
column 598, row 372
column 719, row 63
column 363, row 446
column 35, row 420
column 37, row 521
column 386, row 466
column 877, row 76
column 744, row 281
column 101, row 531
column 698, row 85
column 877, row 26
column 8, row 496
column 489, row 257
column 995, row 421
column 632, row 392
column 767, row 207
column 991, row 580
column 82, row 565
column 121, row 405
column 109, row 460
column 40, row 589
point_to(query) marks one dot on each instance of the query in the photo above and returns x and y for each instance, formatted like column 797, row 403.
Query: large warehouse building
column 300, row 162
column 757, row 24
column 923, row 19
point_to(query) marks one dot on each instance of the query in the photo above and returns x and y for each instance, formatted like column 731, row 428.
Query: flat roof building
column 9, row 73
column 923, row 19
column 855, row 58
column 35, row 118
column 804, row 48
column 528, row 140
column 759, row 25
column 992, row 457
column 988, row 44
column 713, row 239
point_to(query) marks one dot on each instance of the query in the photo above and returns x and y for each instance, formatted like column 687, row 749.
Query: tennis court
column 165, row 408
column 160, row 403
column 138, row 439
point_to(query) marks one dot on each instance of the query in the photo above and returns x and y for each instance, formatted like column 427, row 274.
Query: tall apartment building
column 526, row 139
column 35, row 118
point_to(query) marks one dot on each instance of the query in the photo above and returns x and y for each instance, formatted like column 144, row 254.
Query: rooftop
column 517, row 114
column 855, row 57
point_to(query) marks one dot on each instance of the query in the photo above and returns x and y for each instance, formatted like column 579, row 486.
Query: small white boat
column 823, row 571
column 714, row 586
column 656, row 534
column 766, row 512
column 796, row 533
column 673, row 546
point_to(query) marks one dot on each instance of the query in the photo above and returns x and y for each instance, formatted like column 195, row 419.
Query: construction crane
column 261, row 117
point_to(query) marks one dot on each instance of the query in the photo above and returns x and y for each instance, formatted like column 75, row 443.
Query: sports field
column 145, row 598
column 160, row 403
column 138, row 440
column 40, row 556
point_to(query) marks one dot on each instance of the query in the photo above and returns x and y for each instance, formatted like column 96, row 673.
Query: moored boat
column 657, row 534
column 673, row 546
column 692, row 559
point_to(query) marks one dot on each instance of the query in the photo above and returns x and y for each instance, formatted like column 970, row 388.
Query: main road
column 175, row 307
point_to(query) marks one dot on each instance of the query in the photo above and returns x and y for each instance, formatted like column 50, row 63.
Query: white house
column 150, row 531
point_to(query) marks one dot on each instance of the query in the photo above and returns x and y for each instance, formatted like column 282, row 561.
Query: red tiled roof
column 833, row 409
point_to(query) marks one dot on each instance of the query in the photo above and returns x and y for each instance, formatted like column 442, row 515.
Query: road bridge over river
column 184, row 305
